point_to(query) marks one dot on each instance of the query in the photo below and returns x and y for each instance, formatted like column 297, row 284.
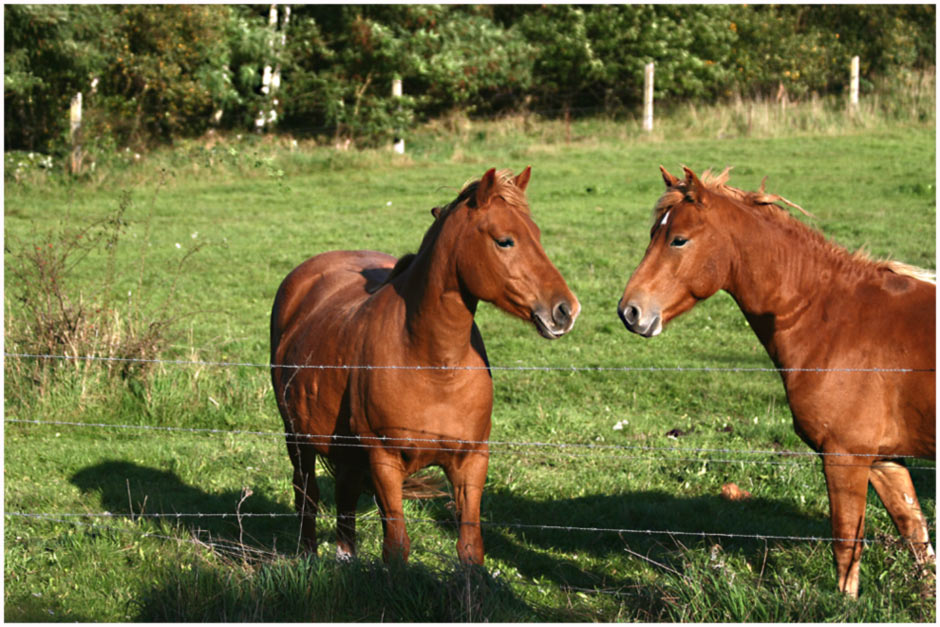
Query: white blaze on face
column 665, row 218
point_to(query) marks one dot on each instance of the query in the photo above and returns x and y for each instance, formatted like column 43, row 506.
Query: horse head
column 499, row 256
column 688, row 258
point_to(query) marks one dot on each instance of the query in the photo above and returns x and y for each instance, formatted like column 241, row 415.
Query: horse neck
column 438, row 313
column 778, row 269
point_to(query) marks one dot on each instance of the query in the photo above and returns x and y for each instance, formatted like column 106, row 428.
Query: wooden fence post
column 648, row 98
column 853, row 89
column 75, row 133
column 399, row 145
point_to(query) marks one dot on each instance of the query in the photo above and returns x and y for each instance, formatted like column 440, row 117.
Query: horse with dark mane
column 853, row 338
column 379, row 368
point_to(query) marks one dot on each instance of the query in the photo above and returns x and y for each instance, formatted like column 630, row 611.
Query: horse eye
column 678, row 241
column 505, row 242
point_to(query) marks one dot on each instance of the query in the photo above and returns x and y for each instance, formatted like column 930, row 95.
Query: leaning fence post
column 75, row 128
column 853, row 89
column 399, row 145
column 648, row 98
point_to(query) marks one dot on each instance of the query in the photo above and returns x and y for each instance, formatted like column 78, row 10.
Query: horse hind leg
column 349, row 482
column 892, row 482
column 306, row 491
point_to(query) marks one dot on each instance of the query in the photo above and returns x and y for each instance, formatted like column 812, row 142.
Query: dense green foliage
column 564, row 522
column 161, row 72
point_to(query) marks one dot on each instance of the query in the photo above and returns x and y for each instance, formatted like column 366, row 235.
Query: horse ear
column 436, row 212
column 522, row 181
column 485, row 188
column 669, row 179
column 695, row 186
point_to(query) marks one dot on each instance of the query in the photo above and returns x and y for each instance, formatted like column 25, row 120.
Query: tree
column 50, row 53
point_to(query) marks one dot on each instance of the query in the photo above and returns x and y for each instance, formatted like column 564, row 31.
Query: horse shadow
column 159, row 495
column 652, row 526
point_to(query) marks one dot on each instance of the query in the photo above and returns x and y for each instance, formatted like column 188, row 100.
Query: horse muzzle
column 642, row 320
column 561, row 319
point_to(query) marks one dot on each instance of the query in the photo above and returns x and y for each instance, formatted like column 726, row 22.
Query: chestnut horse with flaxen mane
column 854, row 340
column 378, row 365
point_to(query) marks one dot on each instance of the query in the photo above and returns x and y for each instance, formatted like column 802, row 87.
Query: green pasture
column 602, row 481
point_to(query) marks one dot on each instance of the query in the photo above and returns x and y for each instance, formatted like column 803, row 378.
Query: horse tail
column 424, row 485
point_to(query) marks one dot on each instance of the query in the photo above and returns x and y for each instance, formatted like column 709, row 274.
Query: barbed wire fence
column 566, row 449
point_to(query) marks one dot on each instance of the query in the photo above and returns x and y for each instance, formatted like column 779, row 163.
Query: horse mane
column 718, row 184
column 505, row 188
column 767, row 205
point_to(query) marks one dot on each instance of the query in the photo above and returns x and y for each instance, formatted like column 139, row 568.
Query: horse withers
column 378, row 366
column 853, row 338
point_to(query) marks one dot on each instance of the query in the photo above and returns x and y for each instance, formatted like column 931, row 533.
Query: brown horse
column 379, row 367
column 869, row 326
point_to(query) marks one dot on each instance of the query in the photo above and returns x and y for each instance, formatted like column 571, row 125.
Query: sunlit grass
column 565, row 528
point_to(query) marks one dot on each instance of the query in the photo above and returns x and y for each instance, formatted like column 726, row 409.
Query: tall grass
column 327, row 591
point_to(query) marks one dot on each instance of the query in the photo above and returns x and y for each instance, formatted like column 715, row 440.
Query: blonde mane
column 768, row 204
column 718, row 184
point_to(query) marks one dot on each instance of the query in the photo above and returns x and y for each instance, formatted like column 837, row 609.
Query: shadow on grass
column 601, row 526
column 325, row 590
column 139, row 490
column 283, row 586
column 587, row 525
column 604, row 525
column 19, row 608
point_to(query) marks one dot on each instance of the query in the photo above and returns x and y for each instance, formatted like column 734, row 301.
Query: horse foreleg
column 348, row 488
column 847, row 483
column 468, row 477
column 387, row 477
column 892, row 482
column 306, row 491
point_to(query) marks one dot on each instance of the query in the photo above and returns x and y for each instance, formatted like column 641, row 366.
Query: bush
column 155, row 73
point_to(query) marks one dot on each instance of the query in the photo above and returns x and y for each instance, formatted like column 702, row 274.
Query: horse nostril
column 630, row 314
column 562, row 313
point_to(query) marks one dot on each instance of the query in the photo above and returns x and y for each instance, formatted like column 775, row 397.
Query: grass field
column 606, row 528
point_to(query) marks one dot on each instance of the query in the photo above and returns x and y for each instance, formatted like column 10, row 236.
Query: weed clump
column 59, row 322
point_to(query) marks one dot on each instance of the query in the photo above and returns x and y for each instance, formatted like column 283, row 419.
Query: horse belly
column 433, row 418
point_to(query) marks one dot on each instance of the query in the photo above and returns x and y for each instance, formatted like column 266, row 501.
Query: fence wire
column 568, row 449
column 64, row 518
column 572, row 368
